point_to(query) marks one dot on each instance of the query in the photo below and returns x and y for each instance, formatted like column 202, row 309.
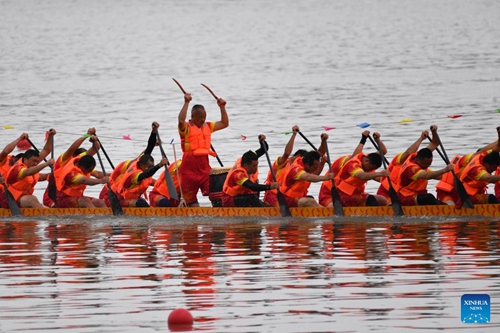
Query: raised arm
column 78, row 142
column 47, row 148
column 435, row 142
column 376, row 136
column 11, row 146
column 183, row 113
column 152, row 138
column 224, row 119
column 414, row 147
column 289, row 146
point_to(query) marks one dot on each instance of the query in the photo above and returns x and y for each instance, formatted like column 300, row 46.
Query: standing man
column 196, row 146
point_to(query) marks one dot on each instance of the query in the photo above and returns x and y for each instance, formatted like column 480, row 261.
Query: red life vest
column 236, row 189
column 447, row 183
column 198, row 140
column 394, row 167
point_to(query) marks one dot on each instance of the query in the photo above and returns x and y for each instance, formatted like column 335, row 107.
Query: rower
column 196, row 146
column 299, row 175
column 353, row 176
column 412, row 179
column 24, row 175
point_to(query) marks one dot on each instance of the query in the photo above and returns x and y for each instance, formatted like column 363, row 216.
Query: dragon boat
column 490, row 211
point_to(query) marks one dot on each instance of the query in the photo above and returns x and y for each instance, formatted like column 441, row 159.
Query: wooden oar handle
column 179, row 85
column 210, row 90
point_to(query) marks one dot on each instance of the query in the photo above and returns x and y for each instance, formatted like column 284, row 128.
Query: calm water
column 75, row 64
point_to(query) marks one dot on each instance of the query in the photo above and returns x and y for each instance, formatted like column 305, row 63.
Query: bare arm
column 289, row 146
column 382, row 144
column 490, row 178
column 224, row 119
column 48, row 145
column 435, row 143
column 371, row 175
column 434, row 174
column 314, row 178
column 91, row 181
column 322, row 146
column 37, row 168
column 414, row 147
column 183, row 113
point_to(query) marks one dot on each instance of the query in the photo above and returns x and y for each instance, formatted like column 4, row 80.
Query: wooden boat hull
column 492, row 210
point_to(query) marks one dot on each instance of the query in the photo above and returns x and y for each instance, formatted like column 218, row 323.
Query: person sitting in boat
column 479, row 173
column 159, row 197
column 7, row 160
column 279, row 166
column 353, row 176
column 73, row 151
column 72, row 181
column 196, row 146
column 325, row 192
column 395, row 166
column 241, row 188
column 25, row 174
column 445, row 188
column 411, row 183
column 298, row 177
column 122, row 167
column 136, row 181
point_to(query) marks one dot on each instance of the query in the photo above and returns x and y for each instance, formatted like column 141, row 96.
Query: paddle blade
column 52, row 188
column 462, row 193
column 396, row 206
column 114, row 202
column 14, row 208
column 338, row 210
column 285, row 211
column 172, row 191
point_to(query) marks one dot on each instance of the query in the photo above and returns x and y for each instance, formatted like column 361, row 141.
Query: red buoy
column 180, row 317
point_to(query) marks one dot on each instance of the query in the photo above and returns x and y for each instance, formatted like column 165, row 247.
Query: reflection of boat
column 492, row 210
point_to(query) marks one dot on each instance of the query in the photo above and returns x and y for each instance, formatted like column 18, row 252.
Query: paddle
column 396, row 205
column 462, row 192
column 337, row 204
column 376, row 145
column 168, row 177
column 210, row 90
column 113, row 199
column 182, row 202
column 285, row 211
column 106, row 154
column 52, row 180
column 184, row 92
column 14, row 208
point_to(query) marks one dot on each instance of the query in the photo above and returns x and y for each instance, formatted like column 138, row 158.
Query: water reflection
column 227, row 273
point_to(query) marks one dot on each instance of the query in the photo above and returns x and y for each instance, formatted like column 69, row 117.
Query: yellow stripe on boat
column 492, row 210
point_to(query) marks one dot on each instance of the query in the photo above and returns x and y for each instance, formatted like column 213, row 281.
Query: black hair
column 492, row 158
column 87, row 162
column 248, row 158
column 78, row 151
column 300, row 152
column 145, row 159
column 30, row 153
column 424, row 153
column 375, row 159
column 310, row 157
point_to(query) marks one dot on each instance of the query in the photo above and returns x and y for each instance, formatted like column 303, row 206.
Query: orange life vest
column 415, row 187
column 236, row 189
column 119, row 171
column 394, row 167
column 133, row 191
column 198, row 140
column 348, row 183
column 72, row 190
column 161, row 184
column 25, row 186
column 447, row 183
column 474, row 186
column 5, row 167
column 299, row 188
column 336, row 166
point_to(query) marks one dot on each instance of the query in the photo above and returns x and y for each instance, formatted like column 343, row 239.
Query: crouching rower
column 73, row 180
column 300, row 174
column 414, row 175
